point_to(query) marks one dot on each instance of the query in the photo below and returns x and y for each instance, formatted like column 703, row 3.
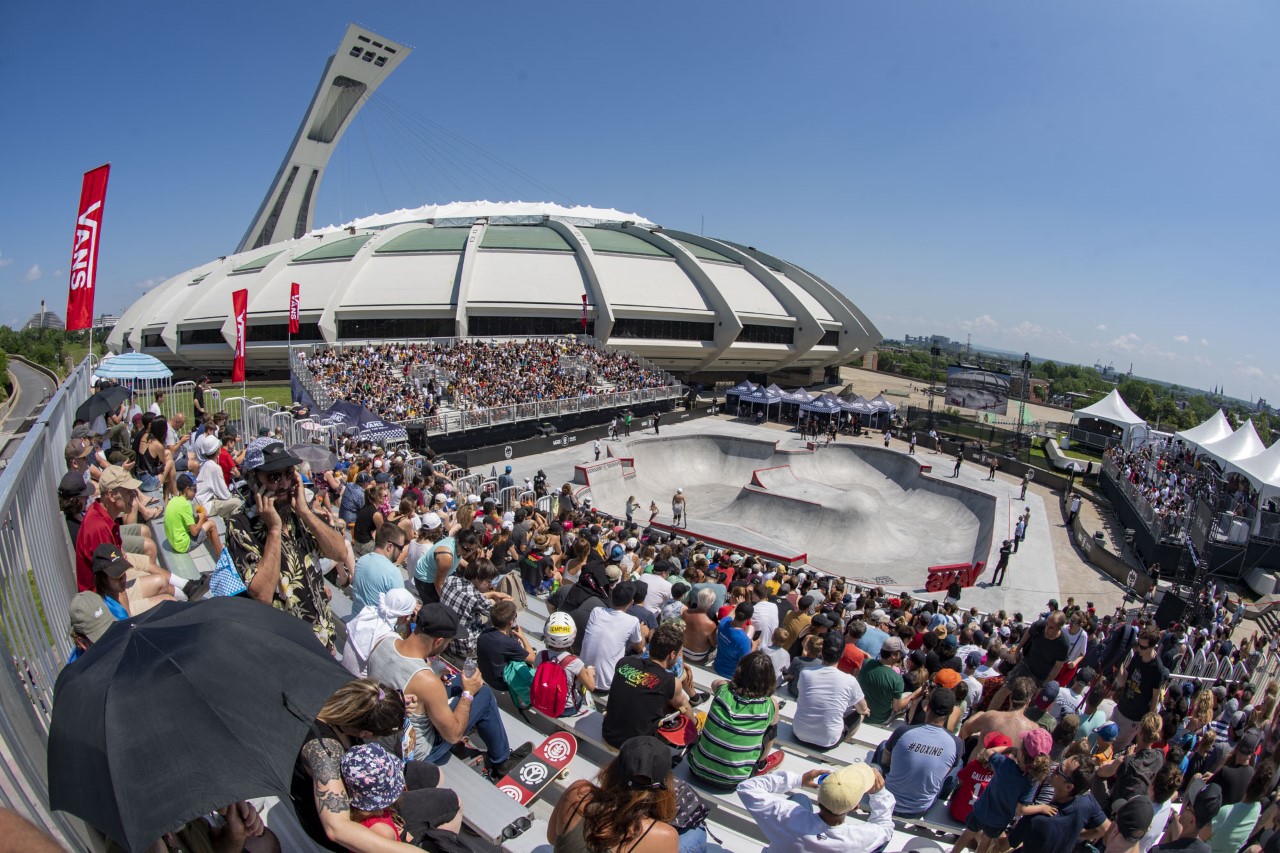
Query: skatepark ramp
column 856, row 510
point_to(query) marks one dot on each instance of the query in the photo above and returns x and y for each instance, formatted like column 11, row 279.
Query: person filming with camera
column 276, row 540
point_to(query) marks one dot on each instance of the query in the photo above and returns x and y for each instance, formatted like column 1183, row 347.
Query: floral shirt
column 301, row 589
column 472, row 610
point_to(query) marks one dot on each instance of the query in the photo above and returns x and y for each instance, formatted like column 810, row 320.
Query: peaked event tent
column 1214, row 429
column 798, row 397
column 1263, row 470
column 827, row 404
column 882, row 405
column 762, row 396
column 1113, row 410
column 1237, row 447
column 859, row 406
column 743, row 387
column 362, row 423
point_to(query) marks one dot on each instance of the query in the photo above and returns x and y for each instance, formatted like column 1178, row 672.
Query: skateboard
column 548, row 762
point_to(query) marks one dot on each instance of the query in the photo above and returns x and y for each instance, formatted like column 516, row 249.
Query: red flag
column 294, row 301
column 584, row 313
column 240, row 308
column 84, row 249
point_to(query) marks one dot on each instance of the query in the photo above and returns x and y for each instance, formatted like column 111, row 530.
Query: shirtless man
column 1012, row 723
column 677, row 509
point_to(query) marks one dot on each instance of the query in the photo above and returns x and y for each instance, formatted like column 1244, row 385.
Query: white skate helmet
column 560, row 631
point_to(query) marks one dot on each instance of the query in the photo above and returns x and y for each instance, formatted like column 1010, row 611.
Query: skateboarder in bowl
column 677, row 509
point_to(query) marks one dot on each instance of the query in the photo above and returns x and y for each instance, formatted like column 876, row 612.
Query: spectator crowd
column 402, row 381
column 1054, row 733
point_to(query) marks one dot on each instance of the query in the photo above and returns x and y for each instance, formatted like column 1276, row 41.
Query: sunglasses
column 1145, row 648
column 277, row 476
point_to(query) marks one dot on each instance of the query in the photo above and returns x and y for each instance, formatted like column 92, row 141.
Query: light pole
column 934, row 352
column 1022, row 404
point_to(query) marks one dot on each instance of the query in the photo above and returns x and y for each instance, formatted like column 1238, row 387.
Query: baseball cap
column 621, row 595
column 186, row 481
column 832, row 646
column 1133, row 817
column 436, row 620
column 1108, row 732
column 1085, row 675
column 947, row 678
column 893, row 644
column 973, row 660
column 432, row 521
column 878, row 615
column 116, row 477
column 441, row 497
column 1036, row 743
column 1207, row 805
column 996, row 739
column 90, row 616
column 208, row 445
column 1249, row 742
column 1004, row 631
column 645, row 762
column 613, row 573
column 1048, row 695
column 80, row 431
column 73, row 485
column 616, row 553
column 77, row 448
column 942, row 700
column 110, row 560
column 632, row 543
column 843, row 789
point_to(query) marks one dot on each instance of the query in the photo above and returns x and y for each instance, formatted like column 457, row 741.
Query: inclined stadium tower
column 700, row 307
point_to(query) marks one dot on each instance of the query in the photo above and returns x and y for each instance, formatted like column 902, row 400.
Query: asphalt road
column 33, row 389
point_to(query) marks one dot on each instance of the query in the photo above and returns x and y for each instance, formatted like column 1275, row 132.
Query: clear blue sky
column 1086, row 180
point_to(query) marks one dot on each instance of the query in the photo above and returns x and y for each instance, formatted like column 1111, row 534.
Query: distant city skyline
column 1092, row 182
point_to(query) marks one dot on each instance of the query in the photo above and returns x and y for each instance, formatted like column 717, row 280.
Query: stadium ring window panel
column 279, row 333
column 830, row 338
column 195, row 337
column 375, row 328
column 523, row 327
column 152, row 341
column 663, row 330
column 755, row 334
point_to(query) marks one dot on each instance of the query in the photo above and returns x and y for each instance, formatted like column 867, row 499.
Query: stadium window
column 380, row 61
column 755, row 334
column 376, row 328
column 152, row 341
column 190, row 337
column 830, row 338
column 273, row 332
column 522, row 327
column 356, row 51
column 664, row 330
column 364, row 39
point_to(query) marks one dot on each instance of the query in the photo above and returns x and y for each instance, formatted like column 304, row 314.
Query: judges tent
column 762, row 396
column 1108, row 421
column 364, row 425
column 1216, row 428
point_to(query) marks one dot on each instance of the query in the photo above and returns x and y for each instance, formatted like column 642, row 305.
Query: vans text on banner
column 294, row 301
column 84, row 250
column 240, row 308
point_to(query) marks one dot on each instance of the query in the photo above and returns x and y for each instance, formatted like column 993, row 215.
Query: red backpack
column 552, row 685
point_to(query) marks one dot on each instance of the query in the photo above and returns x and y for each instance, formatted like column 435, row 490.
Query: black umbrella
column 102, row 403
column 318, row 456
column 182, row 710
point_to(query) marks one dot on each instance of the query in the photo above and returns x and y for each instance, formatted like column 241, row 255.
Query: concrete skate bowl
column 860, row 511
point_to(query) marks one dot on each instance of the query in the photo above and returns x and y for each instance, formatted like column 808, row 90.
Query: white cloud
column 1128, row 342
column 1201, row 360
column 33, row 273
column 1102, row 327
column 1026, row 330
column 1204, row 342
column 4, row 262
column 986, row 321
column 1250, row 371
column 148, row 283
column 1182, row 339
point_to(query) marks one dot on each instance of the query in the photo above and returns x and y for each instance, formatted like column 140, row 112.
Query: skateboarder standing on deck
column 677, row 509
column 959, row 459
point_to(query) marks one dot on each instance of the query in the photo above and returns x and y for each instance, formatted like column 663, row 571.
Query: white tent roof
column 1214, row 429
column 1112, row 409
column 1237, row 447
column 1264, row 469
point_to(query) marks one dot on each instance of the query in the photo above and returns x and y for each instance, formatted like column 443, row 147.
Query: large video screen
column 971, row 388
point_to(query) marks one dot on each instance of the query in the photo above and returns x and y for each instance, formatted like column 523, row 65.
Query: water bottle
column 469, row 667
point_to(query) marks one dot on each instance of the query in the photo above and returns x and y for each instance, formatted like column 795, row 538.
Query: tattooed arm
column 322, row 759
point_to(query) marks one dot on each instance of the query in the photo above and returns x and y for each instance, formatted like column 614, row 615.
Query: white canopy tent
column 1237, row 447
column 1216, row 428
column 1263, row 470
column 1113, row 410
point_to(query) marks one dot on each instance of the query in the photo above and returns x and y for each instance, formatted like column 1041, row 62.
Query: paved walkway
column 1047, row 565
column 32, row 389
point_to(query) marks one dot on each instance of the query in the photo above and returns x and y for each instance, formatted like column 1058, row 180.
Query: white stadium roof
column 520, row 212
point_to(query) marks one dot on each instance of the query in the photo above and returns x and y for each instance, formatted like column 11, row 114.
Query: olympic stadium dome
column 699, row 307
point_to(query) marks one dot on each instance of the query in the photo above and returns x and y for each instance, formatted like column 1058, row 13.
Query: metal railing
column 37, row 581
